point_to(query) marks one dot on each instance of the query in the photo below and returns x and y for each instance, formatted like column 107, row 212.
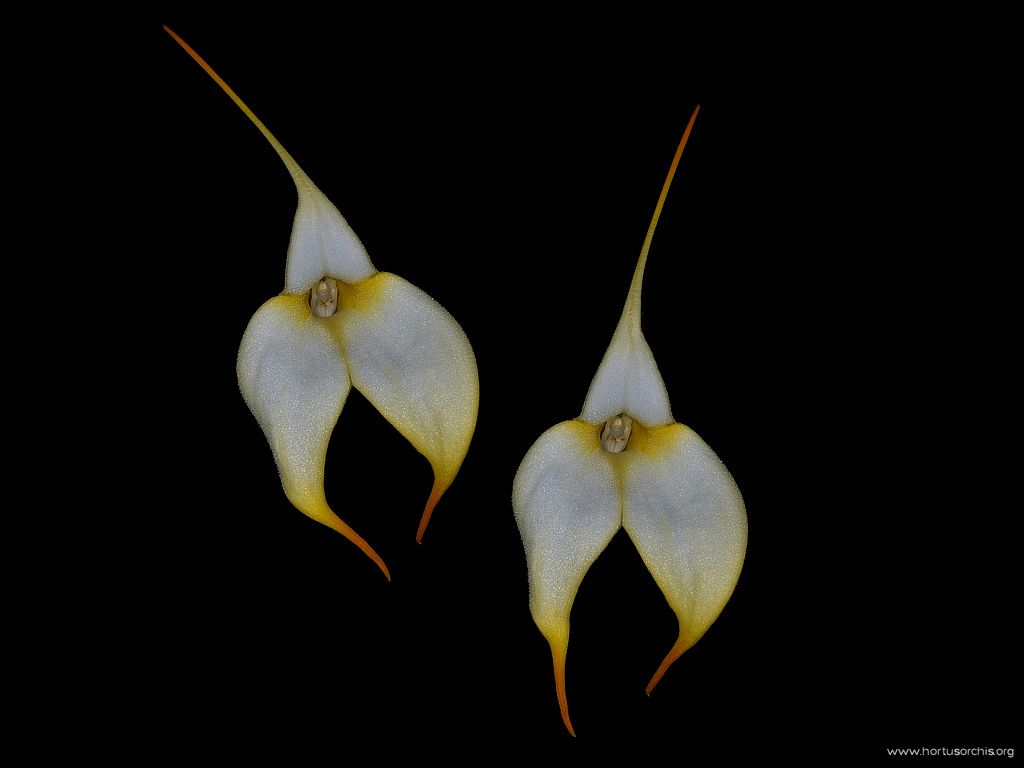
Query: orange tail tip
column 675, row 653
column 343, row 528
column 633, row 300
column 369, row 552
column 435, row 496
column 558, row 657
column 298, row 175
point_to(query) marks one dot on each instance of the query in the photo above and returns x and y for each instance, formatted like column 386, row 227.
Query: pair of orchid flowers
column 624, row 462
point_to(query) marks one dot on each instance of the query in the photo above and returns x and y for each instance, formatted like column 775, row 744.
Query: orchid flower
column 625, row 462
column 338, row 324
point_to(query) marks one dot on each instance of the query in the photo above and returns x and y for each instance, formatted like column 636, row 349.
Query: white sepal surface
column 322, row 243
column 567, row 504
column 686, row 517
column 293, row 378
column 410, row 358
column 628, row 381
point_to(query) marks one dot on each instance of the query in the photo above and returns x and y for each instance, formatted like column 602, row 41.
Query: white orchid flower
column 338, row 324
column 626, row 463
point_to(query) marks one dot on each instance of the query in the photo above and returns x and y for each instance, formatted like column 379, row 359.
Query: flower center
column 615, row 435
column 323, row 298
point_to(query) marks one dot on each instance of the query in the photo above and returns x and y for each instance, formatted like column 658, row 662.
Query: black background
column 509, row 168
